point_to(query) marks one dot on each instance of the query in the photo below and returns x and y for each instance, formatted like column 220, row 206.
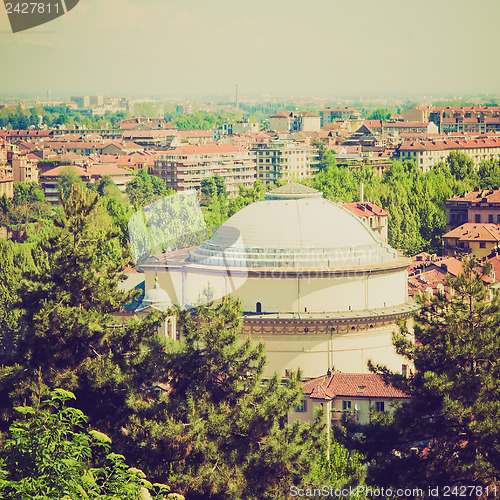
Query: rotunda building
column 316, row 284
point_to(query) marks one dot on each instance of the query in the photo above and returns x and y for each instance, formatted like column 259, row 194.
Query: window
column 490, row 218
column 346, row 405
column 258, row 307
column 477, row 218
column 301, row 407
column 482, row 244
column 380, row 406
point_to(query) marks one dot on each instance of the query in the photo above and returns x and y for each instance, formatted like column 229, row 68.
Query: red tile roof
column 482, row 196
column 406, row 125
column 195, row 133
column 490, row 142
column 368, row 385
column 365, row 209
column 475, row 231
column 205, row 149
column 282, row 114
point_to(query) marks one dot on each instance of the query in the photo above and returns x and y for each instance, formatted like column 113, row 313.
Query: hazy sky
column 322, row 47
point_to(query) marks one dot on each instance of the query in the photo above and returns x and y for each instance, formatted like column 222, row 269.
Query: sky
column 176, row 48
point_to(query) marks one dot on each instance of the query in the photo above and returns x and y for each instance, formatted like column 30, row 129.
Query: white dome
column 156, row 297
column 294, row 228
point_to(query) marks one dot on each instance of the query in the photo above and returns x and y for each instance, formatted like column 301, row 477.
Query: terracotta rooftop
column 365, row 209
column 475, row 231
column 449, row 144
column 205, row 149
column 484, row 195
column 368, row 385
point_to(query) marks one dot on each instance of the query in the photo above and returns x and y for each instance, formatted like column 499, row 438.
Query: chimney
column 361, row 193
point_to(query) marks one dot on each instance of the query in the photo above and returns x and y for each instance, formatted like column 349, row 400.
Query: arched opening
column 258, row 307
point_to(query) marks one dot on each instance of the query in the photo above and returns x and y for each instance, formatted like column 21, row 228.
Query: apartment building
column 235, row 128
column 284, row 159
column 478, row 206
column 427, row 153
column 328, row 115
column 394, row 129
column 440, row 114
column 302, row 121
column 482, row 125
column 185, row 167
column 479, row 240
column 372, row 215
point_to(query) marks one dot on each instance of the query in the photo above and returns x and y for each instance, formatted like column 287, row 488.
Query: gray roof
column 294, row 227
column 293, row 191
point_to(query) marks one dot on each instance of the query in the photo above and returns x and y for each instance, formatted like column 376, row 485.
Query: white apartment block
column 185, row 167
column 427, row 153
column 284, row 159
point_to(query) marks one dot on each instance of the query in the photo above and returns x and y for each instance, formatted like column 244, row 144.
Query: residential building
column 49, row 180
column 477, row 239
column 235, row 128
column 185, row 167
column 196, row 136
column 396, row 128
column 6, row 187
column 483, row 125
column 438, row 114
column 328, row 115
column 427, row 153
column 284, row 159
column 348, row 396
column 372, row 215
column 480, row 205
column 289, row 121
column 428, row 275
column 24, row 170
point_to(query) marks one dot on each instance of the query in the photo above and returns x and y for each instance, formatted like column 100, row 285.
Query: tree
column 326, row 158
column 489, row 174
column 212, row 188
column 145, row 188
column 68, row 336
column 68, row 177
column 462, row 167
column 449, row 434
column 52, row 453
column 219, row 425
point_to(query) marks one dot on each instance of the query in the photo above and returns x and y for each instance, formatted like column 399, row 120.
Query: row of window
column 346, row 406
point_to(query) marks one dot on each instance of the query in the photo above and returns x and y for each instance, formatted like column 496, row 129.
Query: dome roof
column 294, row 227
column 156, row 297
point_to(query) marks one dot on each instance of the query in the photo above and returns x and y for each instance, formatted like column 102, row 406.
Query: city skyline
column 280, row 48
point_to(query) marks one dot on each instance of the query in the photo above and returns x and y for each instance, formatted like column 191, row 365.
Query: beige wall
column 286, row 295
column 351, row 352
column 362, row 416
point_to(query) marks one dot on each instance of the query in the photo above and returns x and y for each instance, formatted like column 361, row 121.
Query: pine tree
column 68, row 336
column 453, row 420
column 218, row 430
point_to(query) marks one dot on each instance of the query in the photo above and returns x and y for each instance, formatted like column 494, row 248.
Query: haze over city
column 279, row 48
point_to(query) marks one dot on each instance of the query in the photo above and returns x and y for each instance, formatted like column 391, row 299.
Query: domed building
column 316, row 284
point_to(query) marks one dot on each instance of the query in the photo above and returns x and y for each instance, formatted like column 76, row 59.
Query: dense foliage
column 449, row 434
column 50, row 452
column 195, row 413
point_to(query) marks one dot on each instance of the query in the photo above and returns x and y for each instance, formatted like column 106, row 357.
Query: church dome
column 156, row 297
column 294, row 227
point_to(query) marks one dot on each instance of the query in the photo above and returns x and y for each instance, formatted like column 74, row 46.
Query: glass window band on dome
column 301, row 258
